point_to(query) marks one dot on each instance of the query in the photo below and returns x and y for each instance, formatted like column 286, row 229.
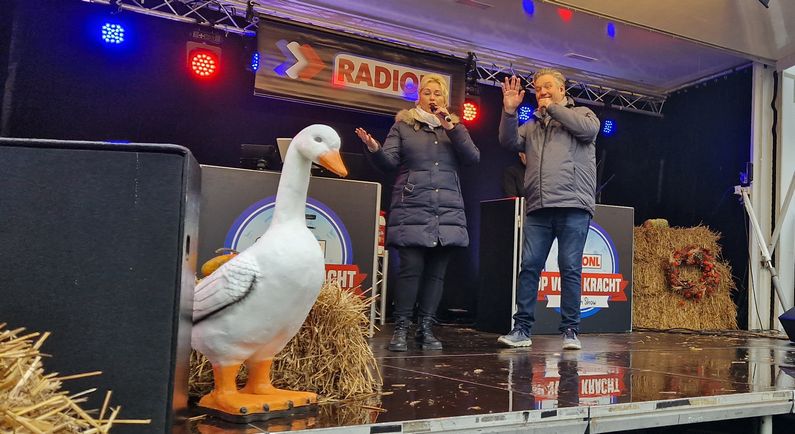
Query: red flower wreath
column 696, row 256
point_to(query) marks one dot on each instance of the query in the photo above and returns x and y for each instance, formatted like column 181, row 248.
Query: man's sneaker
column 516, row 338
column 570, row 341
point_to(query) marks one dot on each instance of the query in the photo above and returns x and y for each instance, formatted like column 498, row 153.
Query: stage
column 618, row 382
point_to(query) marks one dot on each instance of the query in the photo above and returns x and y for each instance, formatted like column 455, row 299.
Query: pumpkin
column 214, row 263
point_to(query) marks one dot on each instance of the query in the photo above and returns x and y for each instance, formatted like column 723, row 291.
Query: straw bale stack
column 655, row 305
column 330, row 355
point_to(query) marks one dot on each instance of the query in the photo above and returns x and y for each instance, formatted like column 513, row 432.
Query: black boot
column 398, row 342
column 425, row 337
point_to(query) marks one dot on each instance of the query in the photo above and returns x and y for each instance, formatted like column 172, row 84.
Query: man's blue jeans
column 541, row 227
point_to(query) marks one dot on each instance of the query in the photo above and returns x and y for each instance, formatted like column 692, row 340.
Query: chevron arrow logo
column 301, row 61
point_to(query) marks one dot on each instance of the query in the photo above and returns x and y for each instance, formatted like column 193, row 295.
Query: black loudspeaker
column 500, row 242
column 788, row 322
column 99, row 248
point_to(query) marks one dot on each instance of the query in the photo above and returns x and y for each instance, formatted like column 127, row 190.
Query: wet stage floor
column 474, row 375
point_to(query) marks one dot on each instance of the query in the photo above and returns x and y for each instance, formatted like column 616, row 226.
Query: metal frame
column 597, row 419
column 582, row 92
column 218, row 14
column 242, row 16
column 621, row 417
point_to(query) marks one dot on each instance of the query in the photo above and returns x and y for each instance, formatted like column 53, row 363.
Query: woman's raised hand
column 367, row 139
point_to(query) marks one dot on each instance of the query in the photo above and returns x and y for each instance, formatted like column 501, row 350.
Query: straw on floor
column 32, row 401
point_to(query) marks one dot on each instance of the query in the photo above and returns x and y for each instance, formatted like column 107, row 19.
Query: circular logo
column 327, row 227
column 599, row 257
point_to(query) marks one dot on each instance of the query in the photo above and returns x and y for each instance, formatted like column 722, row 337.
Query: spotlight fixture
column 204, row 64
column 611, row 30
column 608, row 127
column 204, row 61
column 113, row 33
column 529, row 7
column 525, row 111
column 765, row 3
column 255, row 61
column 470, row 111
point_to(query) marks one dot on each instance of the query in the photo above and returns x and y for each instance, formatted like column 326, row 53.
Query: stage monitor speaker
column 99, row 248
column 500, row 241
column 788, row 322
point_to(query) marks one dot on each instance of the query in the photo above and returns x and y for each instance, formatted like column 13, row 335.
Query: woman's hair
column 438, row 79
column 557, row 75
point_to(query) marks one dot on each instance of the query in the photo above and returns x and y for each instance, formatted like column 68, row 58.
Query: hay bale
column 330, row 355
column 655, row 305
column 32, row 402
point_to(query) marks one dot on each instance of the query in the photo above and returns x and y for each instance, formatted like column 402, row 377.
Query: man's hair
column 557, row 75
column 438, row 79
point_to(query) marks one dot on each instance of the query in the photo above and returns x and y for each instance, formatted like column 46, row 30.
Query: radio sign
column 377, row 76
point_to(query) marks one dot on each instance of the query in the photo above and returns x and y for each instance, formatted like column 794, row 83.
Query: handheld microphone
column 434, row 109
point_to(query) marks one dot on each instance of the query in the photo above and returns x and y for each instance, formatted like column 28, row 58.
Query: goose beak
column 332, row 160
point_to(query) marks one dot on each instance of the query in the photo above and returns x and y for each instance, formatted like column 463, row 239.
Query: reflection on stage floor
column 473, row 375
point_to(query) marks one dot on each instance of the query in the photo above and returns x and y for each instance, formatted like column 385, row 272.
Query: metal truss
column 231, row 17
column 242, row 16
column 584, row 93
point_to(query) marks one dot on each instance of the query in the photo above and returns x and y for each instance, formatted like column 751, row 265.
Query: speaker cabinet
column 500, row 245
column 98, row 246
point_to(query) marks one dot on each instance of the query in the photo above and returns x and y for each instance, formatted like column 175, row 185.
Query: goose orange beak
column 332, row 160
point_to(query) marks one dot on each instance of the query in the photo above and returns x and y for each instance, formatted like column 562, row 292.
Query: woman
column 426, row 221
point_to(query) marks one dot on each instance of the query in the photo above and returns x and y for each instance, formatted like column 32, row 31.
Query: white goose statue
column 248, row 309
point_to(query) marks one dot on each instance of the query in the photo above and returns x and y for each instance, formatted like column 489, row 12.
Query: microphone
column 434, row 109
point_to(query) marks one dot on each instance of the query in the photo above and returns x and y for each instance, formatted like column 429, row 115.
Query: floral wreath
column 696, row 256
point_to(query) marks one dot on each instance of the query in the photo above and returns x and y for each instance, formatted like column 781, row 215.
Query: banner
column 320, row 67
column 238, row 206
column 606, row 291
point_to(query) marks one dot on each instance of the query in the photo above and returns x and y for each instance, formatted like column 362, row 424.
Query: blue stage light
column 113, row 33
column 255, row 61
column 529, row 7
column 611, row 30
column 525, row 111
column 608, row 127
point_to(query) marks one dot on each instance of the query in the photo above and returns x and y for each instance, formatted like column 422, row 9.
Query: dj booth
column 237, row 206
column 606, row 304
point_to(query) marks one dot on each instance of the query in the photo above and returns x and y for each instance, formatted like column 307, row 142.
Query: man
column 513, row 178
column 560, row 184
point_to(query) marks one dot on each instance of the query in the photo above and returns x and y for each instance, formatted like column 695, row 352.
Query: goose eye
column 318, row 139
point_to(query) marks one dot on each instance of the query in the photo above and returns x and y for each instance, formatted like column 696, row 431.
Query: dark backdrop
column 62, row 82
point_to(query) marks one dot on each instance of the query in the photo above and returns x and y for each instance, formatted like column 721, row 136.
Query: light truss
column 242, row 16
column 582, row 92
column 219, row 14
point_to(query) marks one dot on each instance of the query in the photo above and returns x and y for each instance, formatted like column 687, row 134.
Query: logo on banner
column 602, row 282
column 377, row 76
column 596, row 384
column 301, row 61
column 326, row 226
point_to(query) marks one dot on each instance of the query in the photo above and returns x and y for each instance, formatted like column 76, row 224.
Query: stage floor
column 616, row 382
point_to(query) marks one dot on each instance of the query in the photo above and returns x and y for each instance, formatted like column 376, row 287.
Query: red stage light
column 204, row 63
column 470, row 111
column 203, row 60
column 565, row 14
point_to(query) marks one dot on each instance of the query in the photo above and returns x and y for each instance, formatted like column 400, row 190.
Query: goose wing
column 227, row 285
